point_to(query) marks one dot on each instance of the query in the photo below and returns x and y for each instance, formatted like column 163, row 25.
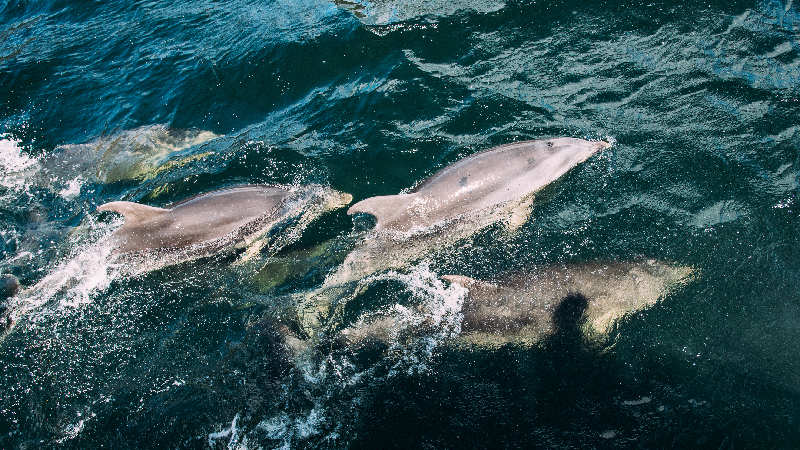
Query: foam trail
column 235, row 441
column 74, row 281
column 438, row 311
column 285, row 429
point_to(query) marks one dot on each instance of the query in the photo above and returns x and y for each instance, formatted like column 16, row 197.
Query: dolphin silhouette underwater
column 496, row 185
column 214, row 222
column 520, row 308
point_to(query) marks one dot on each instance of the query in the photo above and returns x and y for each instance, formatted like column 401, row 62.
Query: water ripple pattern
column 155, row 102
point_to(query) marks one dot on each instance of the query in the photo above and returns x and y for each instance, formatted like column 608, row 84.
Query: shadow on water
column 551, row 394
column 570, row 391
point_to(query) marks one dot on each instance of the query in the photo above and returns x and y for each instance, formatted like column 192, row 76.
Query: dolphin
column 137, row 154
column 222, row 221
column 491, row 186
column 236, row 217
column 496, row 185
column 521, row 308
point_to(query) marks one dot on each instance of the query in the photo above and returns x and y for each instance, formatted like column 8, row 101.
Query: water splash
column 75, row 281
column 418, row 330
column 16, row 166
column 232, row 433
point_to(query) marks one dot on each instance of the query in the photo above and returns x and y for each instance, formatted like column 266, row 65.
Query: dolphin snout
column 601, row 145
column 339, row 199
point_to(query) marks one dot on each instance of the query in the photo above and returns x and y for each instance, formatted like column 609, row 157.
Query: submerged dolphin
column 213, row 222
column 496, row 185
column 136, row 154
column 520, row 308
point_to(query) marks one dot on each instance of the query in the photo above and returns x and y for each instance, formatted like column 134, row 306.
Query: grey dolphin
column 519, row 308
column 136, row 154
column 499, row 176
column 209, row 223
column 496, row 185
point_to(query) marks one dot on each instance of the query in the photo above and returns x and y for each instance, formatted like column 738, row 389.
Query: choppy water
column 157, row 101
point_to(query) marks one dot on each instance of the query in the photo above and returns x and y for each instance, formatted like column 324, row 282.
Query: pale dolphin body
column 519, row 308
column 242, row 216
column 491, row 186
column 496, row 185
column 137, row 154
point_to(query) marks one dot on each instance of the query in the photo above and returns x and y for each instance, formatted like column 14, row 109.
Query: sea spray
column 16, row 167
column 74, row 281
column 332, row 381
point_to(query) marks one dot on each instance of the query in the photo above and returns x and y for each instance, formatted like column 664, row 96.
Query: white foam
column 75, row 281
column 285, row 429
column 72, row 189
column 72, row 431
column 282, row 428
column 16, row 167
column 232, row 433
column 277, row 428
column 640, row 401
column 786, row 203
column 439, row 312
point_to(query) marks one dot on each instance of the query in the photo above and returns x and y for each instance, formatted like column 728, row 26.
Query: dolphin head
column 544, row 161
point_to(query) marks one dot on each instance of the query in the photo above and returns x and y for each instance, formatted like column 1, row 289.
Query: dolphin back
column 134, row 213
column 477, row 186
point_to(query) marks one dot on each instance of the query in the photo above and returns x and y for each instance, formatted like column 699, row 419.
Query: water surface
column 157, row 101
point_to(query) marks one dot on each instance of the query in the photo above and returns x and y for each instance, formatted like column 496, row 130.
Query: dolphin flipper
column 383, row 208
column 519, row 213
column 134, row 213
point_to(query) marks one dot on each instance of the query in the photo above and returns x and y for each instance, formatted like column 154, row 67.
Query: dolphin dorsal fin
column 384, row 208
column 135, row 213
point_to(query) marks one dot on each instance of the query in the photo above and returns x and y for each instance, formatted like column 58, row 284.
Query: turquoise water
column 154, row 102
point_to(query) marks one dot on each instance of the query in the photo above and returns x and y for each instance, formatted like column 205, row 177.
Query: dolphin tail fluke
column 134, row 212
column 383, row 207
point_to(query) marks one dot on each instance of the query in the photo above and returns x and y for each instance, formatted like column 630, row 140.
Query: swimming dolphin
column 520, row 308
column 241, row 216
column 464, row 197
column 496, row 185
column 136, row 154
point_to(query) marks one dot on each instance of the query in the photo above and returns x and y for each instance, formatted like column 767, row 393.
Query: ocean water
column 157, row 101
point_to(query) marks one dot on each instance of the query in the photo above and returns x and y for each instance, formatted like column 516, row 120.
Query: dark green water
column 701, row 98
